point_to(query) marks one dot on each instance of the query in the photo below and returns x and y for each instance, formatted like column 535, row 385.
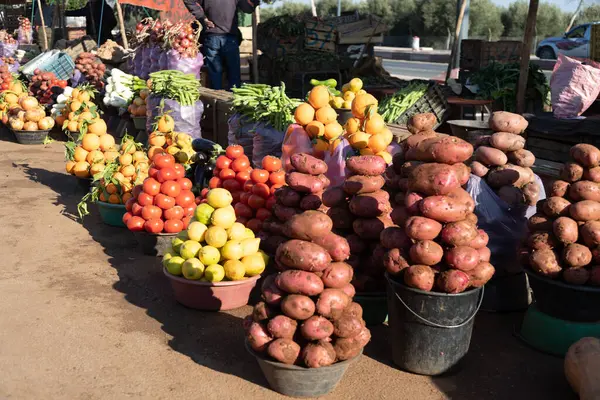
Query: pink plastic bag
column 296, row 141
column 574, row 86
column 336, row 163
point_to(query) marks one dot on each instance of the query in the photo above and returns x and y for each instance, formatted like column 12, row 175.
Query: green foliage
column 589, row 14
column 551, row 20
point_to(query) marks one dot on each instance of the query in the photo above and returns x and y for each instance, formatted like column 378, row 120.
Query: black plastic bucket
column 430, row 332
column 507, row 293
column 31, row 137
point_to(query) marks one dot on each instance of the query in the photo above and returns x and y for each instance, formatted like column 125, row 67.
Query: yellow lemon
column 192, row 269
column 234, row 270
column 236, row 232
column 219, row 198
column 254, row 263
column 214, row 273
column 250, row 246
column 223, row 217
column 209, row 255
column 215, row 236
column 233, row 250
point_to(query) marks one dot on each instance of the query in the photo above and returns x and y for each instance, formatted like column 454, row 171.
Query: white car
column 575, row 43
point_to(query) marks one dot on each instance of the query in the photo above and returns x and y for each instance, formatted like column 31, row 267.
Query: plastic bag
column 296, row 141
column 241, row 132
column 187, row 118
column 155, row 54
column 7, row 49
column 336, row 163
column 175, row 61
column 138, row 61
column 24, row 36
column 505, row 227
column 146, row 61
column 266, row 141
column 574, row 86
column 78, row 78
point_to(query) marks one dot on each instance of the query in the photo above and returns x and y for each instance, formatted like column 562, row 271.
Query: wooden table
column 483, row 105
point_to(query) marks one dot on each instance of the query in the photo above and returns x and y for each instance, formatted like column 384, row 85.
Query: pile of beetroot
column 307, row 317
column 436, row 244
column 564, row 238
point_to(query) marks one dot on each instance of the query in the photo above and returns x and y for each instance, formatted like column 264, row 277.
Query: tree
column 328, row 8
column 286, row 8
column 395, row 13
column 551, row 20
column 589, row 14
column 485, row 19
column 438, row 16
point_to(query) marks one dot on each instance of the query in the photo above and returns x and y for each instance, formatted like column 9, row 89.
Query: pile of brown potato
column 307, row 316
column 564, row 238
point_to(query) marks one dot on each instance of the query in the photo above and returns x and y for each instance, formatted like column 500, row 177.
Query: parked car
column 575, row 43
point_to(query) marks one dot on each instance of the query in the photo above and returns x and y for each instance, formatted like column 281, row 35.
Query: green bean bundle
column 392, row 107
column 183, row 88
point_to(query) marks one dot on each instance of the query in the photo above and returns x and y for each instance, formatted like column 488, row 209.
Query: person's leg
column 212, row 48
column 231, row 54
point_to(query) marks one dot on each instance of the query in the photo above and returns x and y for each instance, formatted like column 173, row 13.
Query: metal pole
column 339, row 13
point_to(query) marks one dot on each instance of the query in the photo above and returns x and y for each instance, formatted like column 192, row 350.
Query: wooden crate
column 320, row 45
column 212, row 124
column 477, row 54
column 470, row 54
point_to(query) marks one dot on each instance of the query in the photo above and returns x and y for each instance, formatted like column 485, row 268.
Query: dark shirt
column 222, row 13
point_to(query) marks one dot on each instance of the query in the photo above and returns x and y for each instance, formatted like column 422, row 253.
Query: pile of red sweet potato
column 564, row 239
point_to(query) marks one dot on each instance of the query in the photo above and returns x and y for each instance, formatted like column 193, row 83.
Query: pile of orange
column 80, row 113
column 23, row 113
column 137, row 108
column 164, row 139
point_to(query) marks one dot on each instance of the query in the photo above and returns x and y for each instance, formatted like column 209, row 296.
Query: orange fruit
column 85, row 116
column 111, row 188
column 319, row 97
column 362, row 104
column 139, row 156
column 72, row 126
column 386, row 156
column 334, row 144
column 128, row 171
column 96, row 168
column 70, row 165
column 304, row 114
column 97, row 127
column 388, row 136
column 114, row 199
column 315, row 129
column 82, row 169
column 374, row 124
column 166, row 124
column 154, row 150
column 321, row 145
column 326, row 115
column 352, row 125
column 125, row 159
column 95, row 156
column 75, row 105
column 90, row 142
column 366, row 152
column 110, row 155
column 80, row 154
column 377, row 143
column 126, row 196
column 102, row 197
column 333, row 131
column 157, row 139
column 359, row 140
column 106, row 142
column 128, row 147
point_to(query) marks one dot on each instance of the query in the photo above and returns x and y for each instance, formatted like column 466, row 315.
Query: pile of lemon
column 349, row 91
column 215, row 247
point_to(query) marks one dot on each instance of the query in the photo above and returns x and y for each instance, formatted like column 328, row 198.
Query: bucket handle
column 443, row 326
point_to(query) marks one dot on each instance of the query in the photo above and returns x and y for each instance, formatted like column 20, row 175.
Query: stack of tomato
column 252, row 189
column 164, row 203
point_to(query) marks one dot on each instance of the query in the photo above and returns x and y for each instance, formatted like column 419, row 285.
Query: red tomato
column 227, row 174
column 242, row 220
column 232, row 185
column 277, row 178
column 151, row 212
column 234, row 151
column 179, row 171
column 129, row 203
column 198, row 199
column 136, row 209
column 236, row 196
column 163, row 160
column 240, row 164
column 242, row 176
column 185, row 199
column 152, row 172
column 186, row 221
column 248, row 186
column 244, row 197
column 137, row 189
column 259, row 176
column 242, row 210
column 173, row 226
column 136, row 224
column 262, row 214
column 154, row 226
column 145, row 199
column 270, row 202
column 163, row 201
column 189, row 210
column 151, row 186
column 126, row 217
column 216, row 172
column 256, row 202
column 170, row 188
column 262, row 190
column 271, row 163
column 255, row 225
column 204, row 192
column 185, row 183
column 176, row 212
column 274, row 188
column 166, row 174
column 223, row 162
column 214, row 182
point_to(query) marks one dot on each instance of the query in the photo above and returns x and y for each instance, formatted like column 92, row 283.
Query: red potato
column 312, row 201
column 306, row 256
column 357, row 245
column 481, row 274
column 419, row 277
column 354, row 309
column 299, row 282
column 539, row 222
column 510, row 175
column 472, row 218
column 507, row 142
column 316, row 328
column 479, row 169
column 372, row 263
column 462, row 172
column 586, row 155
column 463, row 258
column 443, row 149
column 318, row 354
column 565, row 230
column 482, row 140
column 342, row 217
column 451, row 208
column 576, row 276
column 421, row 122
column 531, row 191
column 337, row 246
column 576, row 255
column 395, row 260
column 394, row 237
column 584, row 190
column 452, row 281
column 511, row 195
column 559, row 188
column 555, row 207
column 490, row 156
column 359, row 184
column 400, row 215
column 485, row 254
column 502, row 121
column 571, row 172
column 370, row 228
column 592, row 174
column 298, row 307
column 586, row 210
column 337, row 275
column 282, row 327
column 270, row 292
column 590, row 233
column 421, row 228
column 309, row 225
column 545, row 262
column 262, row 312
column 307, row 164
column 371, row 205
column 412, row 141
column 412, row 201
column 288, row 197
column 426, row 252
column 332, row 302
column 285, row 351
column 403, row 184
column 284, row 213
column 347, row 348
column 595, row 276
column 408, row 167
column 258, row 337
column 271, row 243
column 349, row 289
column 542, row 240
column 304, row 183
column 459, row 233
column 366, row 165
column 480, row 241
column 433, row 179
column 333, row 197
column 522, row 158
column 347, row 326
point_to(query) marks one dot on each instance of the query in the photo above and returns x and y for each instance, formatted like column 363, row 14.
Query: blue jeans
column 219, row 50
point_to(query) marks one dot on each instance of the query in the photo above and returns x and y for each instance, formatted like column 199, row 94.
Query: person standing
column 221, row 36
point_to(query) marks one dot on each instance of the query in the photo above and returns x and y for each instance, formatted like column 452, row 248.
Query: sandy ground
column 85, row 316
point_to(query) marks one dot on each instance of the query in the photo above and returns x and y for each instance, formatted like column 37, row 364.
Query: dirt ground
column 85, row 316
